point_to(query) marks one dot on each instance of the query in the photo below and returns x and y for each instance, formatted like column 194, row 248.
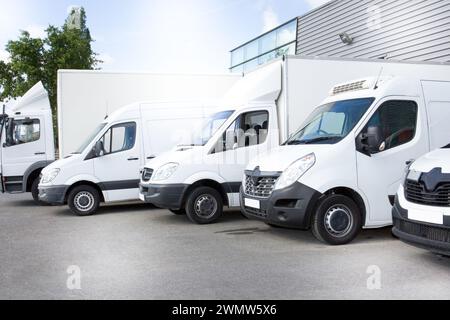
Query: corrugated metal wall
column 415, row 30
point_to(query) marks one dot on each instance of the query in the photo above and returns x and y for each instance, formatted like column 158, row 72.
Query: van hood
column 436, row 159
column 179, row 154
column 60, row 164
column 279, row 159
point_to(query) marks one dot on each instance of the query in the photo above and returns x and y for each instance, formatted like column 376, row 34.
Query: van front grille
column 416, row 192
column 260, row 187
column 423, row 231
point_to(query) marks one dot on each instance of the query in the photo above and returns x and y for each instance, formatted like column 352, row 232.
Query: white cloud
column 106, row 58
column 36, row 31
column 316, row 3
column 270, row 19
column 4, row 56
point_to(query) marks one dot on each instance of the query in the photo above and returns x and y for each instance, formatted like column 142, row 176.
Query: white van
column 26, row 137
column 421, row 212
column 106, row 166
column 270, row 104
column 341, row 170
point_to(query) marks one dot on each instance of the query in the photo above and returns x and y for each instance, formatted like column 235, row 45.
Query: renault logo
column 255, row 176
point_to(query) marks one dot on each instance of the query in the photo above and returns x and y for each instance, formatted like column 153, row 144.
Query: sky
column 174, row 36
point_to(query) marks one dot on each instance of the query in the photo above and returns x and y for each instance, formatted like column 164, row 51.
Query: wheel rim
column 84, row 201
column 205, row 206
column 339, row 221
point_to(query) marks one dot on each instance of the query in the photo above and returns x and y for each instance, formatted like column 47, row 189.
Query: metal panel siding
column 412, row 30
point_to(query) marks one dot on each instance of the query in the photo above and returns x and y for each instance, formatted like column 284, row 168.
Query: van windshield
column 210, row 127
column 332, row 122
column 90, row 138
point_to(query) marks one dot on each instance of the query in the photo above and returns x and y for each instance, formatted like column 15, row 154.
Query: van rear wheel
column 83, row 200
column 337, row 220
column 204, row 205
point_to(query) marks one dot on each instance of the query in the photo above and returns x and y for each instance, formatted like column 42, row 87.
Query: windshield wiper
column 311, row 141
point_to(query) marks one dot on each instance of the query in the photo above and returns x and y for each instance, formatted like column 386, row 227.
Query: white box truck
column 85, row 97
column 105, row 168
column 421, row 213
column 264, row 109
column 26, row 141
column 340, row 171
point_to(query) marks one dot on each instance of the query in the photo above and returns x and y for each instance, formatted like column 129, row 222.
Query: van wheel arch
column 206, row 183
column 348, row 192
column 84, row 183
column 31, row 177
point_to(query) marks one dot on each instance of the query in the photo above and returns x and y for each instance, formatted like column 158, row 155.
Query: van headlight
column 295, row 171
column 50, row 176
column 165, row 172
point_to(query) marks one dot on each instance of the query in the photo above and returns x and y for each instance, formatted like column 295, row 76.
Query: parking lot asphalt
column 133, row 251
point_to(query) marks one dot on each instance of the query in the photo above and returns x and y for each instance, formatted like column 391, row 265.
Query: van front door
column 399, row 128
column 243, row 140
column 24, row 146
column 118, row 168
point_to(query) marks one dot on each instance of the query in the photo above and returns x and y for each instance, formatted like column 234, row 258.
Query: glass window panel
column 268, row 42
column 25, row 131
column 237, row 56
column 287, row 33
column 251, row 50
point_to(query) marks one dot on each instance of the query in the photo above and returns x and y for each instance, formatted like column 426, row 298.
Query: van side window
column 119, row 138
column 249, row 129
column 24, row 131
column 398, row 122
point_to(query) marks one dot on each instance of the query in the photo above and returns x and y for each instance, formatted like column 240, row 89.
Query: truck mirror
column 371, row 141
column 98, row 149
column 375, row 141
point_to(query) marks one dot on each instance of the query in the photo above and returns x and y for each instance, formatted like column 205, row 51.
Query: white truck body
column 26, row 141
column 108, row 162
column 402, row 115
column 286, row 91
column 85, row 97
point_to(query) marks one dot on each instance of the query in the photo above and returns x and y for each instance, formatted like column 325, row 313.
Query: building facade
column 406, row 30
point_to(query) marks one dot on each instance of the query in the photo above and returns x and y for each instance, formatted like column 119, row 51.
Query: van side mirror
column 371, row 141
column 98, row 149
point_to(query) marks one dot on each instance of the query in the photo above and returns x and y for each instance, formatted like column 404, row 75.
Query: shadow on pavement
column 109, row 209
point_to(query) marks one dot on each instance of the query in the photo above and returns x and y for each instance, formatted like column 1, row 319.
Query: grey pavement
column 134, row 251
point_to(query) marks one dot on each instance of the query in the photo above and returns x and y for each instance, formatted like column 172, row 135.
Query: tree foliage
column 33, row 60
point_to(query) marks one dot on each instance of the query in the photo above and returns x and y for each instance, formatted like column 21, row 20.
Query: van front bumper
column 165, row 196
column 53, row 194
column 291, row 207
column 435, row 238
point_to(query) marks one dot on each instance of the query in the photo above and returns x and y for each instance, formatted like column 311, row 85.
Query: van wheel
column 204, row 205
column 337, row 220
column 178, row 212
column 83, row 200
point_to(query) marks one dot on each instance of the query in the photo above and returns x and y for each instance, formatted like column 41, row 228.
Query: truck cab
column 27, row 145
column 340, row 171
column 202, row 178
column 105, row 168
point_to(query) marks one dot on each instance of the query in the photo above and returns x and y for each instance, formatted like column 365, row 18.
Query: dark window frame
column 385, row 104
column 110, row 129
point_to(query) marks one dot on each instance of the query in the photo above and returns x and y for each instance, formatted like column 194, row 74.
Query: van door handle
column 133, row 159
column 151, row 157
column 39, row 153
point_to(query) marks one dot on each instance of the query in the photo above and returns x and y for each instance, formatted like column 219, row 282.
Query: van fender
column 348, row 185
column 204, row 175
column 35, row 166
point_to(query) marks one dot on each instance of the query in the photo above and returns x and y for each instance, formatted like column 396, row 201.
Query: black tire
column 204, row 205
column 179, row 212
column 337, row 220
column 35, row 190
column 83, row 200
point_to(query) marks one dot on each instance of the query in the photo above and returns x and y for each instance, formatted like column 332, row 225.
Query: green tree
column 33, row 60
